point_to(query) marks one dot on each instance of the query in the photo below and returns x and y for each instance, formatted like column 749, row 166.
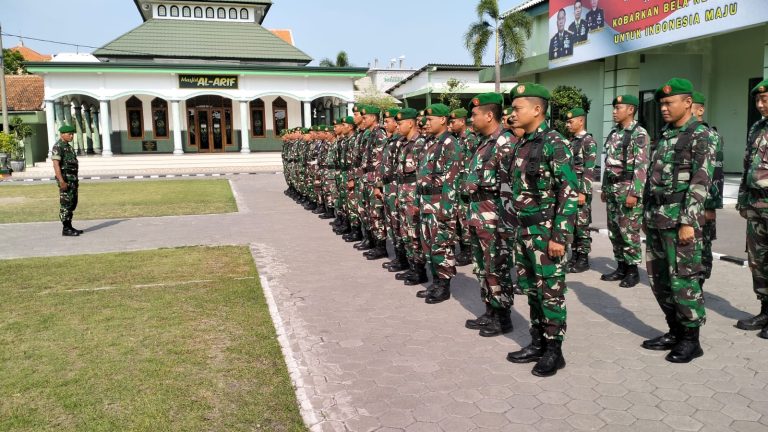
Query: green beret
column 761, row 87
column 423, row 122
column 675, row 86
column 67, row 129
column 487, row 99
column 370, row 109
column 348, row 120
column 438, row 110
column 459, row 113
column 507, row 111
column 357, row 107
column 304, row 130
column 575, row 112
column 392, row 112
column 699, row 98
column 407, row 114
column 626, row 99
column 529, row 90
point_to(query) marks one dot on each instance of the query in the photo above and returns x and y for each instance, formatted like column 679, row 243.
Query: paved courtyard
column 368, row 355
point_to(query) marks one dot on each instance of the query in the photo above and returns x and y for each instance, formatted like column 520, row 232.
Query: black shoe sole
column 657, row 347
column 522, row 361
column 435, row 300
column 493, row 334
column 741, row 326
column 695, row 355
column 550, row 373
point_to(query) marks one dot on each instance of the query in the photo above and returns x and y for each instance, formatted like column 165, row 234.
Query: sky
column 424, row 31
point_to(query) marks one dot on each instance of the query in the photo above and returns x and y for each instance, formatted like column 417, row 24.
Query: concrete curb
column 140, row 177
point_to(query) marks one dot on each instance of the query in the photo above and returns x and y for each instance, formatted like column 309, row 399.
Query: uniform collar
column 542, row 127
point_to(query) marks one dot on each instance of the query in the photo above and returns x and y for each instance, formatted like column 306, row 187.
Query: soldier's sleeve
column 743, row 198
column 451, row 168
column 639, row 163
column 715, row 196
column 590, row 161
column 703, row 152
column 566, row 184
column 605, row 165
column 56, row 152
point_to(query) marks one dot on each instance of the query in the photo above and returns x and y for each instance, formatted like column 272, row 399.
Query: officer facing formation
column 65, row 166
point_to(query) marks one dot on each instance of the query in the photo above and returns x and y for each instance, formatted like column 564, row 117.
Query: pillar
column 79, row 132
column 350, row 108
column 88, row 128
column 178, row 148
column 765, row 55
column 245, row 137
column 307, row 114
column 95, row 127
column 106, row 130
column 50, row 122
column 59, row 117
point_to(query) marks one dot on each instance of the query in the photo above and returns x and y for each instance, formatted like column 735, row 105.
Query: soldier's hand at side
column 64, row 186
column 710, row 215
column 582, row 199
column 351, row 184
column 631, row 201
column 555, row 250
column 377, row 193
column 685, row 234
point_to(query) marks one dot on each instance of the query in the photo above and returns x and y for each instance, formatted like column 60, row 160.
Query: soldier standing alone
column 65, row 166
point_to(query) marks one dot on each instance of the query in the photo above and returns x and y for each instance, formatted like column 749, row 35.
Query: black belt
column 429, row 190
column 664, row 199
column 483, row 195
column 408, row 178
column 535, row 219
column 618, row 179
column 759, row 193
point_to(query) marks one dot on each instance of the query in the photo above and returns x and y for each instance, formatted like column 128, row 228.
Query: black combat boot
column 481, row 321
column 354, row 235
column 400, row 261
column 367, row 242
column 516, row 289
column 763, row 333
column 418, row 277
column 328, row 214
column 687, row 348
column 618, row 274
column 631, row 277
column 68, row 231
column 533, row 351
column 756, row 322
column 379, row 250
column 500, row 323
column 551, row 360
column 310, row 205
column 441, row 293
column 464, row 257
column 665, row 342
column 580, row 263
column 320, row 209
column 344, row 227
column 79, row 232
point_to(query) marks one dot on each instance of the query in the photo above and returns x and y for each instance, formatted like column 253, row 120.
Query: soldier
column 347, row 130
column 595, row 17
column 329, row 180
column 389, row 190
column 483, row 186
column 584, row 150
column 626, row 164
column 375, row 140
column 354, row 183
column 321, row 145
column 679, row 178
column 437, row 176
column 578, row 28
column 65, row 166
column 467, row 143
column 561, row 44
column 753, row 206
column 542, row 187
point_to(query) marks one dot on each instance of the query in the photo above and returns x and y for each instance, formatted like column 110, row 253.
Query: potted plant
column 21, row 131
column 7, row 146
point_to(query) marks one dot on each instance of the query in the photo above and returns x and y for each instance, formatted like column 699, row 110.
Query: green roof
column 203, row 40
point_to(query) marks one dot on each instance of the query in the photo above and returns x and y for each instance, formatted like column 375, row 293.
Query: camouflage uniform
column 584, row 150
column 331, row 173
column 356, row 214
column 375, row 141
column 625, row 176
column 678, row 183
column 714, row 202
column 63, row 152
column 389, row 182
column 544, row 203
column 468, row 142
column 408, row 199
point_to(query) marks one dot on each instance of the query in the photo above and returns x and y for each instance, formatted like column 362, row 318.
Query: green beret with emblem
column 392, row 112
column 459, row 113
column 507, row 111
column 575, row 112
column 407, row 114
column 673, row 87
column 761, row 87
column 423, row 122
column 626, row 99
column 357, row 107
column 529, row 90
column 370, row 109
column 67, row 129
column 438, row 110
column 699, row 98
column 487, row 99
column 304, row 130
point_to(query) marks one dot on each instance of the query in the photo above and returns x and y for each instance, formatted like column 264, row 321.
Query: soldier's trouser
column 68, row 199
column 624, row 229
column 490, row 259
column 340, row 199
column 354, row 216
column 462, row 224
column 375, row 211
column 391, row 214
column 329, row 188
column 674, row 274
column 437, row 240
column 542, row 279
column 411, row 223
column 757, row 251
column 708, row 234
column 361, row 202
column 582, row 237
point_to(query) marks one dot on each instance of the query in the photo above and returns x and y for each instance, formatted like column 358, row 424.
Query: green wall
column 36, row 146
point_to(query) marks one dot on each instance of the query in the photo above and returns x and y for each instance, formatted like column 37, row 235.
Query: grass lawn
column 164, row 340
column 114, row 200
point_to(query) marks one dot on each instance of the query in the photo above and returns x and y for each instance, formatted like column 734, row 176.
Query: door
column 211, row 127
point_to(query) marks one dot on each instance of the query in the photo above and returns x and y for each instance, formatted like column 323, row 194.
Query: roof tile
column 25, row 92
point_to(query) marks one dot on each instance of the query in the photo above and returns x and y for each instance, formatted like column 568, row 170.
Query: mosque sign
column 208, row 81
column 584, row 30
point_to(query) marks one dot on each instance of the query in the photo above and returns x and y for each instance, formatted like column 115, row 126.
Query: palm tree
column 341, row 61
column 510, row 31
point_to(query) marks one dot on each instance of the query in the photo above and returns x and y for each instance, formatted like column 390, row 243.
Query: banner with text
column 592, row 29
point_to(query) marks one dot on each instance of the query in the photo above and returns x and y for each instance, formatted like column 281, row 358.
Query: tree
column 452, row 96
column 510, row 33
column 341, row 61
column 13, row 62
column 563, row 99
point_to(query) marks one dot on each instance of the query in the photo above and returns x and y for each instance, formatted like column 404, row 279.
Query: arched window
column 222, row 13
column 280, row 115
column 135, row 116
column 162, row 11
column 186, row 12
column 209, row 13
column 257, row 119
column 198, row 12
column 244, row 14
column 160, row 118
column 174, row 11
column 232, row 13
